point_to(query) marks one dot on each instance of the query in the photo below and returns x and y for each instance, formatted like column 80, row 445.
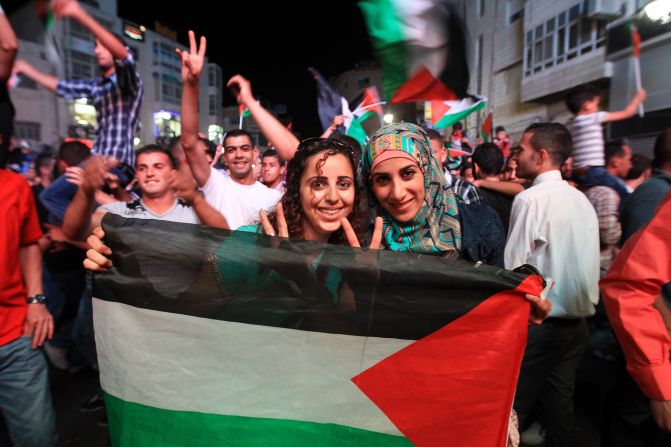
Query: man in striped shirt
column 587, row 135
column 116, row 95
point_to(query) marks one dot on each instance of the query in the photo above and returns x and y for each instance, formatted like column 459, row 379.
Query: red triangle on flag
column 370, row 97
column 423, row 86
column 487, row 126
column 438, row 110
column 456, row 386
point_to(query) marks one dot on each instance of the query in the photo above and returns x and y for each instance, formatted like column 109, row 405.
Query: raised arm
column 45, row 80
column 183, row 184
column 73, row 10
column 631, row 109
column 192, row 66
column 8, row 47
column 279, row 136
column 78, row 215
column 510, row 189
column 338, row 121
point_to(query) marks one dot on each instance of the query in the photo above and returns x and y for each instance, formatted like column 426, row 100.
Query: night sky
column 270, row 43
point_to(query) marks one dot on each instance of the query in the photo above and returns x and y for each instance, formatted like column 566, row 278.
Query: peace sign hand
column 351, row 236
column 281, row 222
column 193, row 60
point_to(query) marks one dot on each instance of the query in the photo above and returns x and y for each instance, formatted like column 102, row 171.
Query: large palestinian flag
column 212, row 338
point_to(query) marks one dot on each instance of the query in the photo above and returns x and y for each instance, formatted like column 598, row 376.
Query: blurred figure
column 502, row 140
column 272, row 170
column 487, row 164
column 466, row 172
column 25, row 322
column 641, row 170
column 8, row 48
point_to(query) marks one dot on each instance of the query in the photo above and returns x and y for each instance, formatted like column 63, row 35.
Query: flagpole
column 637, row 75
column 637, row 68
column 381, row 103
column 240, row 124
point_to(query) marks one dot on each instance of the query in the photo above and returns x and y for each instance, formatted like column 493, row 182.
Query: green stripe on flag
column 384, row 27
column 133, row 424
column 356, row 130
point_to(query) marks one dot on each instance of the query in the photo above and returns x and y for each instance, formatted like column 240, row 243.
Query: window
column 481, row 8
column 210, row 77
column 24, row 130
column 213, row 76
column 82, row 65
column 363, row 83
column 564, row 37
column 515, row 10
column 165, row 55
column 171, row 89
column 213, row 104
column 80, row 31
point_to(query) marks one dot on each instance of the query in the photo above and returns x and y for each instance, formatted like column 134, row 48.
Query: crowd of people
column 559, row 198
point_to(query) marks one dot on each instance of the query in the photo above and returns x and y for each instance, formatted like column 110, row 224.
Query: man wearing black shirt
column 487, row 163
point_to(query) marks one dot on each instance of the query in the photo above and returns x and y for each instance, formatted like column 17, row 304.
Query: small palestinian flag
column 221, row 338
column 369, row 106
column 244, row 113
column 421, row 48
column 486, row 130
column 446, row 113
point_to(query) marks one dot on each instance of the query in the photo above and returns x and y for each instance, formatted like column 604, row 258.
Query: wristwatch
column 39, row 299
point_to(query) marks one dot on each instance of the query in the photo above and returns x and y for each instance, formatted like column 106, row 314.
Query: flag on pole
column 369, row 106
column 329, row 101
column 421, row 48
column 48, row 21
column 446, row 113
column 243, row 112
column 486, row 130
column 234, row 338
column 636, row 53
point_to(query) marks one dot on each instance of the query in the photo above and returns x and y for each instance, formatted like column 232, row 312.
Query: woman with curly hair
column 321, row 194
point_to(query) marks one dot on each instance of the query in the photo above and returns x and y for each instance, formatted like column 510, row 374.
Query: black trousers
column 547, row 378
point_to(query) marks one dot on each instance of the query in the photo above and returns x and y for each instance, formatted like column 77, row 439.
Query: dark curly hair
column 291, row 201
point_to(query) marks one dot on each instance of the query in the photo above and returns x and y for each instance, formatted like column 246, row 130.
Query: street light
column 658, row 11
column 388, row 118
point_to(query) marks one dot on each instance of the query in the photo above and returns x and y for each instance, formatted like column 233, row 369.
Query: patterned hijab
column 436, row 228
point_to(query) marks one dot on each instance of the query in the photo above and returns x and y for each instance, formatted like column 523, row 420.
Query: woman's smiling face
column 398, row 185
column 327, row 194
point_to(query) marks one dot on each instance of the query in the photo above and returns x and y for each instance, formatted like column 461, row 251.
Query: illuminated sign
column 133, row 31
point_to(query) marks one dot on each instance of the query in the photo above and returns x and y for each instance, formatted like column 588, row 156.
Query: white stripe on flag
column 186, row 363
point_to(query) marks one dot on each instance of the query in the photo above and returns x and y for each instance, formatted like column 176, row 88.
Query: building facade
column 526, row 55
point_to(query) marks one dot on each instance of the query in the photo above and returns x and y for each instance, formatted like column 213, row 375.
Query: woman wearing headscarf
column 419, row 210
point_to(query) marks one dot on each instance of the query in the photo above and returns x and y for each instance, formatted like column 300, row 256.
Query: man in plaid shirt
column 606, row 202
column 460, row 187
column 116, row 95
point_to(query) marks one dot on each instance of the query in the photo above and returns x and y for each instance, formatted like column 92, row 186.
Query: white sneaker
column 534, row 435
column 58, row 357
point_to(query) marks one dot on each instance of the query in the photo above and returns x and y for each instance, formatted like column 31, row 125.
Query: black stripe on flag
column 251, row 278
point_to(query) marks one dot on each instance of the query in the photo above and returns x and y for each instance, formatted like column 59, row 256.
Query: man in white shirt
column 554, row 228
column 238, row 196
